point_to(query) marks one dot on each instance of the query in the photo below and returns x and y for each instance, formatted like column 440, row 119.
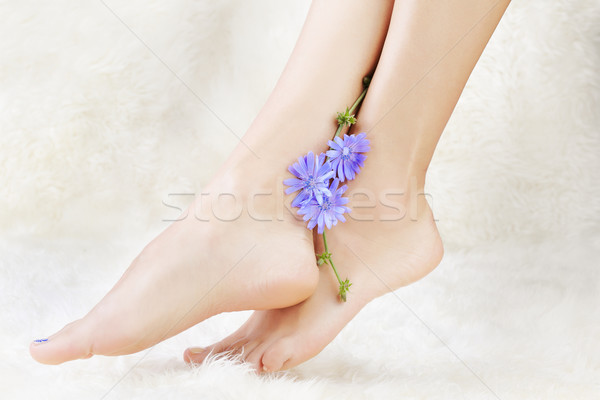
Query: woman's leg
column 235, row 261
column 429, row 52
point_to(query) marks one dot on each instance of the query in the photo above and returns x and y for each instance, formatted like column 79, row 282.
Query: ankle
column 390, row 200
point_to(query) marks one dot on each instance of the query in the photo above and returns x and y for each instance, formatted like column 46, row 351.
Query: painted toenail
column 40, row 341
column 196, row 350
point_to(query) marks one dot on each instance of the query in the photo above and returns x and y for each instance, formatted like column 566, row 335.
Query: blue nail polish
column 40, row 340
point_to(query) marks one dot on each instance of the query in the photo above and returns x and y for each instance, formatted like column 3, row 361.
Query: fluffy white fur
column 96, row 131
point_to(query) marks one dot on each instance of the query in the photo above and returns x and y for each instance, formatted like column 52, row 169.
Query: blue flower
column 346, row 155
column 327, row 212
column 312, row 179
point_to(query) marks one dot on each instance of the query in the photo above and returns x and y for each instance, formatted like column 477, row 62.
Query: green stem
column 338, row 131
column 327, row 255
column 330, row 261
column 359, row 100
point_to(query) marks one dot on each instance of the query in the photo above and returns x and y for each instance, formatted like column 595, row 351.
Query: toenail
column 196, row 350
column 265, row 368
column 40, row 341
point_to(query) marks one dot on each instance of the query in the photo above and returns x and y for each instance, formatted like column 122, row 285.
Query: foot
column 377, row 257
column 198, row 268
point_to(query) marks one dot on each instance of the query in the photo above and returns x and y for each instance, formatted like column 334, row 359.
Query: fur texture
column 96, row 131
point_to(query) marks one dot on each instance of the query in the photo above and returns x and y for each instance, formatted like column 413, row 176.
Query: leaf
column 344, row 288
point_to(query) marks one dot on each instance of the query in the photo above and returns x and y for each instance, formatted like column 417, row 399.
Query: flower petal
column 334, row 146
column 310, row 163
column 292, row 182
column 340, row 171
column 328, row 221
column 300, row 166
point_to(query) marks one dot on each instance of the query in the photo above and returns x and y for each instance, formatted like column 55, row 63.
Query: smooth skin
column 222, row 260
column 429, row 52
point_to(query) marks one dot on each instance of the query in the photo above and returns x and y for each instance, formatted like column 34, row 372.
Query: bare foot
column 376, row 256
column 196, row 269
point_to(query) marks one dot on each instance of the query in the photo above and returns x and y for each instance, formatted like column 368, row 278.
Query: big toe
column 196, row 355
column 278, row 356
column 70, row 343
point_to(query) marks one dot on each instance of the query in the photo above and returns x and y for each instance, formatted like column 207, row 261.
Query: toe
column 70, row 343
column 246, row 349
column 278, row 355
column 196, row 355
column 254, row 356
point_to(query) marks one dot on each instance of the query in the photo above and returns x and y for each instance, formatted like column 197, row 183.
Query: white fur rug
column 96, row 130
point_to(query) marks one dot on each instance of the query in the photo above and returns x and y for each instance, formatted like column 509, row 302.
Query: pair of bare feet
column 239, row 247
column 202, row 265
column 379, row 248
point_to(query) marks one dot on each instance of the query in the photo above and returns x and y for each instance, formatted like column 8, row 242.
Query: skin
column 226, row 262
column 428, row 55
